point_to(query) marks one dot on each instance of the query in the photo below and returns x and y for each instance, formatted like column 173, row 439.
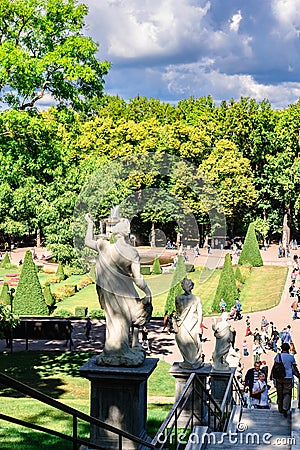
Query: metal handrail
column 23, row 388
column 214, row 409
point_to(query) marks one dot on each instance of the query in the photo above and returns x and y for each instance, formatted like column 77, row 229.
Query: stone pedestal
column 219, row 382
column 119, row 398
column 181, row 376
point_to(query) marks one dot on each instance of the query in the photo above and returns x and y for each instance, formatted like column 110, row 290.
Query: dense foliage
column 248, row 152
column 29, row 298
column 43, row 51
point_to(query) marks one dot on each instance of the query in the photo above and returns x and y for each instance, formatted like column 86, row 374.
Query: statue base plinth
column 219, row 382
column 181, row 376
column 119, row 398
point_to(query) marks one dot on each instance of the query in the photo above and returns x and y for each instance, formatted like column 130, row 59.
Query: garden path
column 163, row 345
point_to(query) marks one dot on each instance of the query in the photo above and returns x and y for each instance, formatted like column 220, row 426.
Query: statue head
column 224, row 316
column 187, row 284
column 122, row 227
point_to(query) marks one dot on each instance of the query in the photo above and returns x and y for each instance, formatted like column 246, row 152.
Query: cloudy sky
column 172, row 49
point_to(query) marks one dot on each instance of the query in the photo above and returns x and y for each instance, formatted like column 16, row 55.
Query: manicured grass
column 56, row 374
column 262, row 290
column 264, row 287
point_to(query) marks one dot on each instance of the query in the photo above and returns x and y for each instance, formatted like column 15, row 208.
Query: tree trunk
column 152, row 239
column 38, row 237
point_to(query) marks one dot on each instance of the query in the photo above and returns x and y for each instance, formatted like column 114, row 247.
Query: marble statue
column 117, row 273
column 223, row 335
column 186, row 325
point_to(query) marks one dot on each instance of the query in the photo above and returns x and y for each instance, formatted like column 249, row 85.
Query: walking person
column 248, row 329
column 145, row 340
column 69, row 331
column 245, row 348
column 294, row 307
column 166, row 317
column 284, row 386
column 260, row 398
column 88, row 327
column 251, row 378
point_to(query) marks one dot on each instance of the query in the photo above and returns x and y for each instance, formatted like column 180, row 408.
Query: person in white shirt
column 261, row 390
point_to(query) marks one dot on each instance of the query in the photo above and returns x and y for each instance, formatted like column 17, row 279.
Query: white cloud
column 173, row 48
column 135, row 29
column 235, row 22
column 193, row 80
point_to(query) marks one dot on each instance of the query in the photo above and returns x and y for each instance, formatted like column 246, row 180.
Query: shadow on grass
column 43, row 371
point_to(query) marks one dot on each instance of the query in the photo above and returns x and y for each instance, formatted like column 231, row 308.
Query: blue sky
column 172, row 49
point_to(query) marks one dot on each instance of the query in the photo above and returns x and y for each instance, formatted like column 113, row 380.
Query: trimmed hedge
column 250, row 255
column 60, row 272
column 227, row 288
column 81, row 311
column 145, row 270
column 4, row 296
column 29, row 299
column 156, row 269
column 6, row 263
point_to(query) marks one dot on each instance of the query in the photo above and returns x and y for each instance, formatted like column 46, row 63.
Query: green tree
column 230, row 173
column 176, row 289
column 29, row 298
column 43, row 51
column 4, row 296
column 156, row 269
column 227, row 288
column 250, row 254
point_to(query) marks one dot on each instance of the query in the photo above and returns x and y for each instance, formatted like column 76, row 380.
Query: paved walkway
column 163, row 345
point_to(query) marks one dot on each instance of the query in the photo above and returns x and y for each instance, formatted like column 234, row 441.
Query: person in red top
column 202, row 326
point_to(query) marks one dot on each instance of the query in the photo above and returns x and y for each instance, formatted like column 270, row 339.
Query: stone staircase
column 256, row 430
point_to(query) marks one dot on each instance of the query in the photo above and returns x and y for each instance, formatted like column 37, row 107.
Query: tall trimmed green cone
column 29, row 299
column 156, row 269
column 60, row 271
column 6, row 263
column 4, row 296
column 176, row 289
column 238, row 275
column 250, row 255
column 227, row 288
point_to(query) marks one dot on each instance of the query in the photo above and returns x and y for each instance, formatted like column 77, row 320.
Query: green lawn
column 262, row 290
column 56, row 374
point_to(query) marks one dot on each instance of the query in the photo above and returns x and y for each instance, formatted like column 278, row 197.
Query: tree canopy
column 43, row 51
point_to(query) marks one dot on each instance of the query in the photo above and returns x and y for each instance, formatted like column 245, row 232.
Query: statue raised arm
column 117, row 273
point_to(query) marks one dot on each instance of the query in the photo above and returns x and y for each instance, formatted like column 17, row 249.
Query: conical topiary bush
column 6, row 263
column 227, row 288
column 4, row 296
column 49, row 298
column 60, row 271
column 29, row 298
column 156, row 269
column 250, row 255
column 238, row 275
column 176, row 289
